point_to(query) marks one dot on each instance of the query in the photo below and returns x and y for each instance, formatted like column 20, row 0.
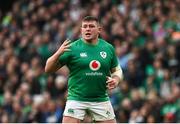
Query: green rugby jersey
column 89, row 65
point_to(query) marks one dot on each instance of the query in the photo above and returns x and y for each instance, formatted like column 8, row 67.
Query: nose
column 88, row 28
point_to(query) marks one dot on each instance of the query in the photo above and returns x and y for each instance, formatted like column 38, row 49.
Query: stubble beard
column 91, row 40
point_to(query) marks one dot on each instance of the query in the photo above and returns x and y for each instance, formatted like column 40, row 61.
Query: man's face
column 90, row 30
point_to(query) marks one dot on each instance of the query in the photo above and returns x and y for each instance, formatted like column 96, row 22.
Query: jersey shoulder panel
column 106, row 44
column 76, row 43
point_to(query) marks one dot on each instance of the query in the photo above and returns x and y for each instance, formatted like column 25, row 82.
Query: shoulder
column 106, row 44
column 76, row 43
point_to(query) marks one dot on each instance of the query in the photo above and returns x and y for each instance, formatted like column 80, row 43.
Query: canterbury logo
column 83, row 54
column 94, row 65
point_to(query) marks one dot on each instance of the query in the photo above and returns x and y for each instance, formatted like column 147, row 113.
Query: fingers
column 111, row 83
column 110, row 87
column 67, row 41
column 65, row 46
column 67, row 50
column 109, row 79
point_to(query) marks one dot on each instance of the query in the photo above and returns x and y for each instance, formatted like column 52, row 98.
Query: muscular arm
column 52, row 64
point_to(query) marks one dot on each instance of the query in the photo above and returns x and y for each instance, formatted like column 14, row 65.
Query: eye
column 84, row 26
column 91, row 26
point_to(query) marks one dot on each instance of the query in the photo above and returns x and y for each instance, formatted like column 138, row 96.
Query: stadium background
column 145, row 34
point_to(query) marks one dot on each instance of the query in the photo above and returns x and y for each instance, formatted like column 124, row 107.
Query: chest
column 94, row 58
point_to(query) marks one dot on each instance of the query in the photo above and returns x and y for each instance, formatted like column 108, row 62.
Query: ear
column 81, row 30
column 99, row 29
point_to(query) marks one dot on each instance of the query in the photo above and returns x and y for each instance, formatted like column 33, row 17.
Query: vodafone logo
column 94, row 65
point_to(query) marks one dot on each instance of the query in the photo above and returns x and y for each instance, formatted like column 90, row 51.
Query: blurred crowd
column 146, row 37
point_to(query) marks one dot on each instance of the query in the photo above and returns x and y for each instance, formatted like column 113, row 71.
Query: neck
column 93, row 42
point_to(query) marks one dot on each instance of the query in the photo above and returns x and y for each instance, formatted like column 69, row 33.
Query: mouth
column 88, row 34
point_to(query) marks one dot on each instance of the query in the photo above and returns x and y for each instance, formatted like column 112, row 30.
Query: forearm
column 116, row 77
column 52, row 63
column 117, row 74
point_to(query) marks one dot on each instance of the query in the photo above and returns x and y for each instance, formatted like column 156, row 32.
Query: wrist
column 116, row 79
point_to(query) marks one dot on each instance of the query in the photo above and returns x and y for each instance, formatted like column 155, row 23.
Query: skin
column 67, row 119
column 90, row 31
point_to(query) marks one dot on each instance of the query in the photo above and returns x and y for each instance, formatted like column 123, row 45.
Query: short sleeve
column 65, row 58
column 114, row 62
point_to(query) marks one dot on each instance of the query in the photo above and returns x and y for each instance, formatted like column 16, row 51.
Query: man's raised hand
column 64, row 47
